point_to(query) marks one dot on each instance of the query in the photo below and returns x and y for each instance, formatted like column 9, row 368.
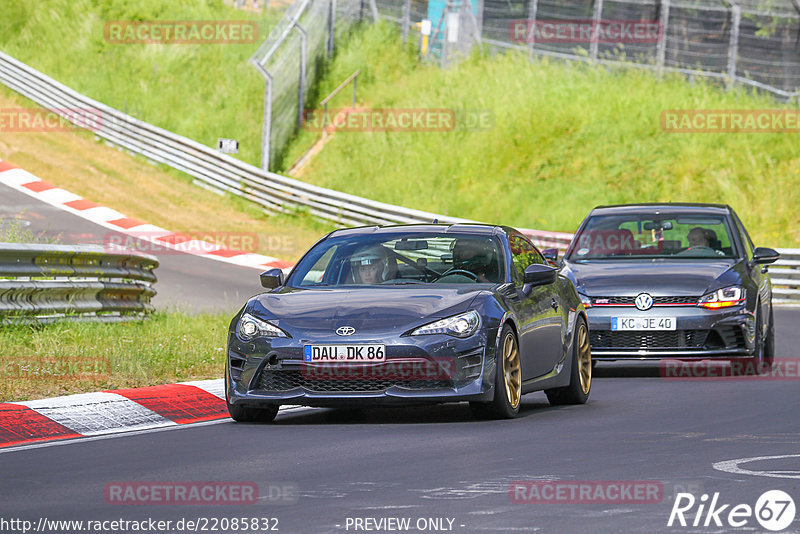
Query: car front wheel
column 507, row 383
column 580, row 382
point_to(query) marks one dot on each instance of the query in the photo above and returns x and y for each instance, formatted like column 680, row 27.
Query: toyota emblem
column 345, row 331
column 643, row 301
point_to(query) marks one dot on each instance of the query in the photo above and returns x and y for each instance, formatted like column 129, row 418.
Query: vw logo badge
column 644, row 301
column 345, row 331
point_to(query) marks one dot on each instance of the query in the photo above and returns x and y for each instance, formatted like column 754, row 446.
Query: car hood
column 369, row 310
column 657, row 277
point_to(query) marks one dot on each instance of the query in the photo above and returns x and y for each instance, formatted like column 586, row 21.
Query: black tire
column 580, row 376
column 249, row 414
column 507, row 381
column 763, row 355
column 769, row 343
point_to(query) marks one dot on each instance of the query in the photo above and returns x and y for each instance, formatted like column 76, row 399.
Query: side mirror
column 539, row 275
column 551, row 255
column 272, row 278
column 764, row 255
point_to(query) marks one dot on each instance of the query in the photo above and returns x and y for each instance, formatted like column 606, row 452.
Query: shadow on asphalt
column 441, row 413
column 614, row 370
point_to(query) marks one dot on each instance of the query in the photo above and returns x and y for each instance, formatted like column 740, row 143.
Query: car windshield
column 645, row 236
column 401, row 259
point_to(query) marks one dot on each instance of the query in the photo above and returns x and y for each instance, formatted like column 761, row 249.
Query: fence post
column 332, row 27
column 302, row 81
column 374, row 7
column 266, row 130
column 596, row 18
column 733, row 47
column 406, row 19
column 533, row 8
column 661, row 48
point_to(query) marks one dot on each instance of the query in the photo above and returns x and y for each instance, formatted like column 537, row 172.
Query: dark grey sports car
column 673, row 281
column 410, row 314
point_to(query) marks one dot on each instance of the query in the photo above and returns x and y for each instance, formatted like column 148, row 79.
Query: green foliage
column 201, row 91
column 73, row 357
column 565, row 137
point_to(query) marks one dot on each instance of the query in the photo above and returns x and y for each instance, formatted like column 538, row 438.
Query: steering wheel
column 462, row 272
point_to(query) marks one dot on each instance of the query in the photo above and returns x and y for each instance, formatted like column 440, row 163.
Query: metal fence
column 47, row 282
column 290, row 59
column 750, row 42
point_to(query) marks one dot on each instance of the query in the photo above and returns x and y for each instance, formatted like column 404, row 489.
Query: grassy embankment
column 565, row 138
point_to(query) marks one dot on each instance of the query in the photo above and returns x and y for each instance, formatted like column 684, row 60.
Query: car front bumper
column 700, row 334
column 272, row 371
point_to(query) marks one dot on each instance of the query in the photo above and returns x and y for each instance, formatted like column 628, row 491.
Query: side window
column 746, row 241
column 523, row 254
column 315, row 275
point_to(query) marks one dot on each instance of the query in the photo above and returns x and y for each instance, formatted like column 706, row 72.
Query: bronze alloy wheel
column 511, row 370
column 584, row 358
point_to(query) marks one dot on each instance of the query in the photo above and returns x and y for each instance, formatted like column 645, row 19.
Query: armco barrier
column 785, row 275
column 45, row 282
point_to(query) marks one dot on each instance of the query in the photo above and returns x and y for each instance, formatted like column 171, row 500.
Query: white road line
column 732, row 466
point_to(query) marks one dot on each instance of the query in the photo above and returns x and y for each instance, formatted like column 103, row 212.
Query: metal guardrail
column 785, row 275
column 46, row 282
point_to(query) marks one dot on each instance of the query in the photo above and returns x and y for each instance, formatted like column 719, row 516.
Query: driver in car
column 699, row 243
column 476, row 256
column 369, row 265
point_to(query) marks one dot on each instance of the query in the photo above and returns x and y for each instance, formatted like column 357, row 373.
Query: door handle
column 554, row 304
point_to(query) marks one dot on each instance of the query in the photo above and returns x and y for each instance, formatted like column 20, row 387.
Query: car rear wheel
column 508, row 381
column 249, row 414
column 580, row 382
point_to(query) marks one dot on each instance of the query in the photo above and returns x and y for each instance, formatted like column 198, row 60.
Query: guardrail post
column 733, row 46
column 302, row 81
column 596, row 20
column 374, row 7
column 661, row 47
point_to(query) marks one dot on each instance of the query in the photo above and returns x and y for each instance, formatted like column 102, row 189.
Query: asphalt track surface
column 435, row 462
column 185, row 281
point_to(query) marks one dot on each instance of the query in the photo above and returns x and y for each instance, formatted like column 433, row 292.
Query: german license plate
column 344, row 353
column 643, row 323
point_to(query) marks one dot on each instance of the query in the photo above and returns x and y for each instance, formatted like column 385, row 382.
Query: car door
column 537, row 313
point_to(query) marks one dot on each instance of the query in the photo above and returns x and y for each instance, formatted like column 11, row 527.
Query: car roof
column 433, row 228
column 663, row 208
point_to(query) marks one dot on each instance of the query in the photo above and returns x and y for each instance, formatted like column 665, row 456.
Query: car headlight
column 250, row 327
column 587, row 301
column 462, row 325
column 722, row 298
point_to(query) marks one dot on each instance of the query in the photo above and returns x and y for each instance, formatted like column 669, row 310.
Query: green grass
column 65, row 358
column 14, row 231
column 201, row 91
column 566, row 138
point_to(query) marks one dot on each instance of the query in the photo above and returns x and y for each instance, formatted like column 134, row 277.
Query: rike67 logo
column 774, row 510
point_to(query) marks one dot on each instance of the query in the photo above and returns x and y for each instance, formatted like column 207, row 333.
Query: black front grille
column 669, row 339
column 630, row 301
column 285, row 380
